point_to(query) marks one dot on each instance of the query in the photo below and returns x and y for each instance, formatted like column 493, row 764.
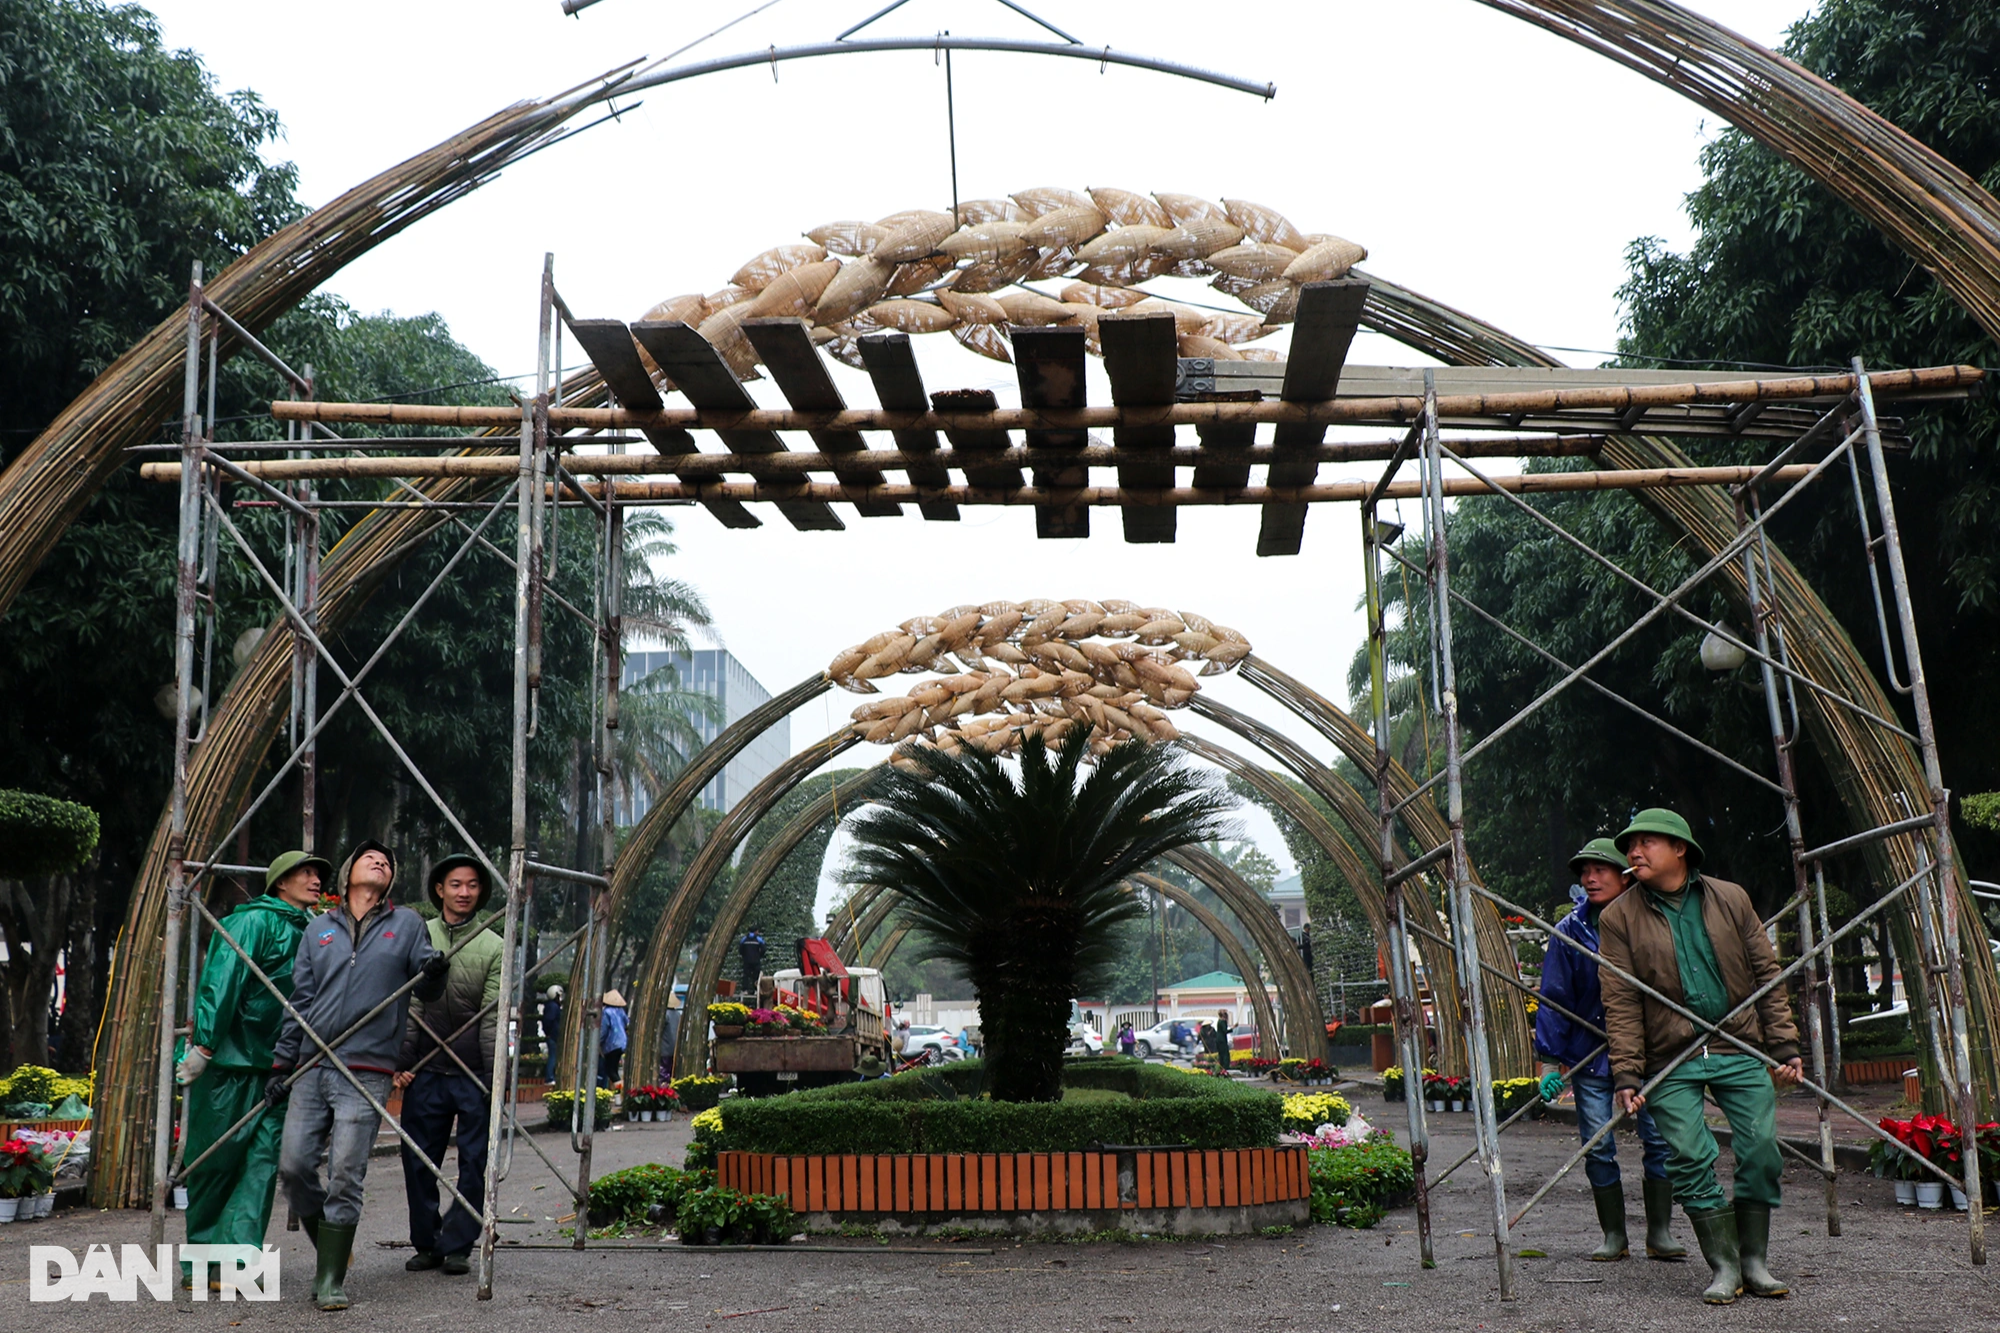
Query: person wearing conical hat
column 1566, row 1027
column 610, row 1039
column 1698, row 941
column 445, row 1068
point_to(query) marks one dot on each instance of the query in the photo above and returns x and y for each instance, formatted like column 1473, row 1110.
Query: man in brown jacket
column 1698, row 941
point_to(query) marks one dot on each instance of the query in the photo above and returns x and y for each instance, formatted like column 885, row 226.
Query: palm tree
column 1016, row 873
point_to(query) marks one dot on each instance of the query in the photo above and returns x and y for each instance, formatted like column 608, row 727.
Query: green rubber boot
column 1660, row 1242
column 336, row 1244
column 1715, row 1232
column 1753, row 1239
column 1610, row 1200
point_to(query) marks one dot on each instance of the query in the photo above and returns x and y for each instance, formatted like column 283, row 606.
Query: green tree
column 1022, row 880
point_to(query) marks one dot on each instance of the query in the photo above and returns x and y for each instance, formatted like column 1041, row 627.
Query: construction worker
column 1570, row 986
column 439, row 1089
column 228, row 1058
column 1699, row 942
column 350, row 960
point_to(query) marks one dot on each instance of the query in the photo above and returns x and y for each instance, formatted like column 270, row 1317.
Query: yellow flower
column 709, row 1121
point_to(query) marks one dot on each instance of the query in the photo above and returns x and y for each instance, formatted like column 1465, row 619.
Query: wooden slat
column 850, row 1183
column 1058, row 1180
column 1232, row 1178
column 699, row 372
column 1162, row 1181
column 816, row 1184
column 954, row 1184
column 1076, row 1173
column 1007, row 1163
column 1093, row 1180
column 885, row 1184
column 1040, row 1166
column 1329, row 313
column 989, row 1183
column 864, row 1196
column 902, row 1194
column 1108, row 1169
column 788, row 353
column 892, row 367
column 1139, row 357
column 920, row 1184
column 1049, row 363
column 1143, row 1178
column 1177, row 1193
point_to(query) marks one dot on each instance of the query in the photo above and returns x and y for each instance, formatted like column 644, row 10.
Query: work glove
column 192, row 1066
column 436, row 966
column 1551, row 1085
column 277, row 1091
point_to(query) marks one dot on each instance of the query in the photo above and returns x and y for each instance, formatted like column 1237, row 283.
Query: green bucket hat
column 1597, row 849
column 1667, row 824
column 287, row 862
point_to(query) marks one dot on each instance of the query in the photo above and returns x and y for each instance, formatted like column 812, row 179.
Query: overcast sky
column 1479, row 160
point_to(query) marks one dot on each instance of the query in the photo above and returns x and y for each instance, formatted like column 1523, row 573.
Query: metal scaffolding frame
column 1855, row 425
column 204, row 520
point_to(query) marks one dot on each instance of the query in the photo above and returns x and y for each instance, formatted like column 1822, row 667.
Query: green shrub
column 698, row 1092
column 926, row 1111
column 719, row 1216
column 40, row 835
column 625, row 1196
column 560, row 1104
column 1353, row 1186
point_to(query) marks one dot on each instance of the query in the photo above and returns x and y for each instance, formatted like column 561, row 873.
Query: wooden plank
column 1177, row 1193
column 1058, row 1180
column 988, row 1198
column 1232, row 1167
column 1093, row 1180
column 920, row 1184
column 1039, row 1164
column 902, row 1194
column 801, row 375
column 1108, row 1168
column 816, row 1184
column 885, row 1184
column 1142, row 1165
column 699, row 372
column 1224, row 476
column 1162, row 1181
column 1049, row 364
column 1139, row 357
column 1007, row 1163
column 954, row 1183
column 850, row 1183
column 1329, row 313
column 1076, row 1173
column 892, row 367
column 864, row 1195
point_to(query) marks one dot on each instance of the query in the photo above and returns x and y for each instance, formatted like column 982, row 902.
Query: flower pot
column 1433, row 1104
column 1906, row 1193
column 46, row 1204
column 1957, row 1197
column 181, row 1197
column 729, row 1029
column 9, row 1208
column 1930, row 1194
column 1457, row 1105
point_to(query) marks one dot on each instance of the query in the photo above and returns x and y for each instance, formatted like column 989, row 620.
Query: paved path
column 1894, row 1269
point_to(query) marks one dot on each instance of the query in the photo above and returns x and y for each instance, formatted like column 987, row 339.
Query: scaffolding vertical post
column 1944, row 858
column 1407, row 1012
column 186, row 570
column 308, row 532
column 1761, row 593
column 1464, row 937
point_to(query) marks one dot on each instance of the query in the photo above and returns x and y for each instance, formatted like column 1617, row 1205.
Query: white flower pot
column 1906, row 1193
column 1957, row 1197
column 9, row 1208
column 1930, row 1194
column 1433, row 1104
column 181, row 1197
column 46, row 1204
column 1457, row 1105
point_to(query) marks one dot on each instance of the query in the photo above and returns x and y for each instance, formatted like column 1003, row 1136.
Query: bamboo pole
column 1339, row 411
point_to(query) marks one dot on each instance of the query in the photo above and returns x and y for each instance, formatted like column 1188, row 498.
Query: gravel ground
column 1893, row 1269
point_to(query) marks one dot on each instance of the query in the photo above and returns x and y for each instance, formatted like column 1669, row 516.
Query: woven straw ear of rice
column 1128, row 208
column 985, row 339
column 1232, row 328
column 1044, row 623
column 909, row 316
column 1259, row 261
column 1086, row 315
column 1065, row 226
column 859, row 284
column 845, row 663
column 1006, row 653
column 1051, row 264
column 822, row 334
column 1265, row 224
column 1275, row 297
column 1260, row 354
column 913, row 277
column 975, row 211
column 1117, row 606
column 1213, row 348
column 1198, row 238
column 1097, row 654
column 921, row 625
column 764, row 269
column 1120, row 623
column 718, row 301
column 1199, row 624
column 973, row 308
column 917, row 238
column 1091, row 293
column 1079, row 625
column 878, row 732
column 985, row 277
column 1082, row 606
column 1047, row 199
column 1032, row 308
column 1229, row 286
column 1187, row 319
column 724, row 329
column 847, row 351
column 1327, row 260
column 906, row 216
column 794, row 292
column 1195, row 643
column 1122, row 245
column 690, row 309
column 850, row 237
column 1161, row 630
column 1183, row 208
column 989, row 241
column 960, row 624
column 1128, row 272
column 996, row 608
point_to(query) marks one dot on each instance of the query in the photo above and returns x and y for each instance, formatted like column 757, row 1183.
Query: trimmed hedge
column 939, row 1111
column 40, row 835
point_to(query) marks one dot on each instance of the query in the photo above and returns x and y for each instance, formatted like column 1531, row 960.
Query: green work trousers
column 229, row 1195
column 1741, row 1086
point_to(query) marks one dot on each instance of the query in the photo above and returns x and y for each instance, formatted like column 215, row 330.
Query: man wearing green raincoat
column 228, row 1058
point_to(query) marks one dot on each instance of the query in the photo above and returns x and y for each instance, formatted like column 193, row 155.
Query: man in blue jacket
column 1569, row 980
column 350, row 960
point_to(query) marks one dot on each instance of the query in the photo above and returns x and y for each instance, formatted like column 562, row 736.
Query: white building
column 717, row 673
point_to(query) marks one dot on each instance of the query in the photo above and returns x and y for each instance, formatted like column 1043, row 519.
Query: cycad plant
column 1016, row 870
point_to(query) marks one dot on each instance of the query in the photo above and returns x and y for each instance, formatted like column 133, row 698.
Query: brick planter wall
column 1182, row 1190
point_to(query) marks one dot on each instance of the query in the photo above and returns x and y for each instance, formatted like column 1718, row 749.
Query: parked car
column 1159, row 1040
column 1084, row 1040
column 924, row 1036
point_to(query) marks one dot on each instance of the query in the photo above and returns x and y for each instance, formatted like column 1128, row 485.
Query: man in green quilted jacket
column 228, row 1058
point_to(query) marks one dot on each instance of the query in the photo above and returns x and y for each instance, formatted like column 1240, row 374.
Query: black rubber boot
column 1715, row 1232
column 1660, row 1242
column 336, row 1245
column 1610, row 1200
column 1753, row 1242
column 423, row 1261
column 457, row 1265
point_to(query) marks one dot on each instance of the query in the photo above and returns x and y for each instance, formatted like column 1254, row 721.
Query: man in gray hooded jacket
column 350, row 960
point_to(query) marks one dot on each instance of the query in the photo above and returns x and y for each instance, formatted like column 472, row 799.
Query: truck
column 851, row 1001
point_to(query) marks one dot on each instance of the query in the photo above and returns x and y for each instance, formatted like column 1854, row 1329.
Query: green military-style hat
column 287, row 862
column 1668, row 825
column 1597, row 849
